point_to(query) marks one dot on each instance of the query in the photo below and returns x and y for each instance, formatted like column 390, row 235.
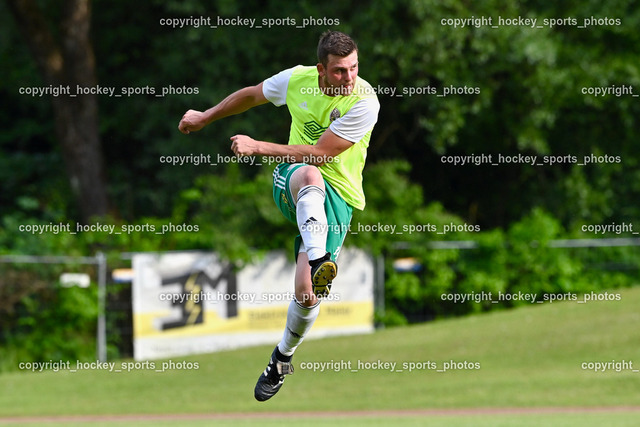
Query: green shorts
column 338, row 211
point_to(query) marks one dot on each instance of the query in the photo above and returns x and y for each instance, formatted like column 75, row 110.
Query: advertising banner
column 192, row 302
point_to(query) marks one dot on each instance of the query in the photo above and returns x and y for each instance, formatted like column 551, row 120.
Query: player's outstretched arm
column 236, row 103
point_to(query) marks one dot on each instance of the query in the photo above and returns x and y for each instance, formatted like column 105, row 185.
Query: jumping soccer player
column 333, row 113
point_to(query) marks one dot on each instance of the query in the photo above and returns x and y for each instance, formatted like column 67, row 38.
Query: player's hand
column 243, row 145
column 191, row 121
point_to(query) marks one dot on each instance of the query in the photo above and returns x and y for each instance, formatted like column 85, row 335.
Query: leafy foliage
column 528, row 98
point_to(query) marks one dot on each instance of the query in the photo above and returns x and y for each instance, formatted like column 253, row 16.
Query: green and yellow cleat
column 323, row 271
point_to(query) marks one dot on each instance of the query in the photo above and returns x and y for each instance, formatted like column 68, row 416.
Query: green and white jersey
column 351, row 117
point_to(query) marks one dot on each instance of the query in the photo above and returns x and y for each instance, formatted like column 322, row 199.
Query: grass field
column 520, row 367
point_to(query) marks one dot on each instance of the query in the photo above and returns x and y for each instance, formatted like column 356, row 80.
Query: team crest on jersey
column 335, row 114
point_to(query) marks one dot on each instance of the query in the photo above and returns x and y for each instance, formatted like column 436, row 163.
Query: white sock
column 299, row 321
column 312, row 220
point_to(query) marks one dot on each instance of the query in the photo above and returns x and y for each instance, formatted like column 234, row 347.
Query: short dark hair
column 334, row 43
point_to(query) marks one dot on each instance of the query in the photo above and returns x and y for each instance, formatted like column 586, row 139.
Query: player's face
column 339, row 76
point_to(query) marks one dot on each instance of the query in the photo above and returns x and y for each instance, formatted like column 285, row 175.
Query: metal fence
column 100, row 260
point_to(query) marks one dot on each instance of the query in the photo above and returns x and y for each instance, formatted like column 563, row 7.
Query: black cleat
column 272, row 378
column 323, row 271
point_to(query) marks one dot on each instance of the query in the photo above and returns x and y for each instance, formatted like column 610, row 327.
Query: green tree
column 65, row 59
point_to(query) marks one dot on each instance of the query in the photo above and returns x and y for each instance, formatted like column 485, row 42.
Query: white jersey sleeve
column 359, row 120
column 275, row 87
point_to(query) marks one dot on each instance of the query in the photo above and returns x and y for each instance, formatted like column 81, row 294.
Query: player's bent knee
column 310, row 174
column 306, row 175
column 306, row 299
